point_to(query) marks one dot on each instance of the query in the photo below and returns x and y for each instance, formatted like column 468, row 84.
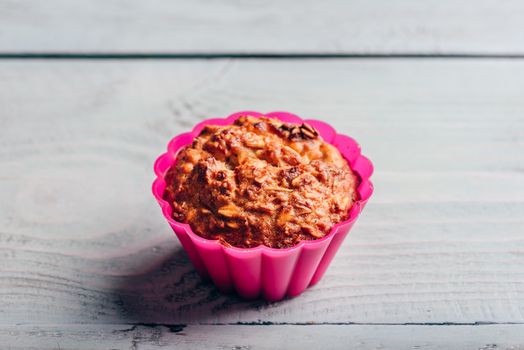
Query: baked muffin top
column 260, row 181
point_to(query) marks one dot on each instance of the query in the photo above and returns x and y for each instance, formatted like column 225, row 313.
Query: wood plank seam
column 240, row 55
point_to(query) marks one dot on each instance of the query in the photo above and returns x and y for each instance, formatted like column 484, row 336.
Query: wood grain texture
column 230, row 26
column 140, row 337
column 83, row 241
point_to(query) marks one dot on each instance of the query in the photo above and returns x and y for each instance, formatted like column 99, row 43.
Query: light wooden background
column 433, row 91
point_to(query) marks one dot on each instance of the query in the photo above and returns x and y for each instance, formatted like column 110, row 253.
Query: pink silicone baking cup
column 262, row 271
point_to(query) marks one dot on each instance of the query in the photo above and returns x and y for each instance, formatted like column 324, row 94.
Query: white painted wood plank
column 334, row 26
column 82, row 240
column 272, row 337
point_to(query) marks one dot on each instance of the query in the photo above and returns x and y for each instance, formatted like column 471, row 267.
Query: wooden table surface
column 91, row 91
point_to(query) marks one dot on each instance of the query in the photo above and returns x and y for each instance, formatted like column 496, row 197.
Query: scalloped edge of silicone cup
column 347, row 146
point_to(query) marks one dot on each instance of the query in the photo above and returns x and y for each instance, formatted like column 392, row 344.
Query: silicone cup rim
column 328, row 133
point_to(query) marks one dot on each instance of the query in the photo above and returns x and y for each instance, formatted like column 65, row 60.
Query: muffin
column 260, row 181
column 261, row 203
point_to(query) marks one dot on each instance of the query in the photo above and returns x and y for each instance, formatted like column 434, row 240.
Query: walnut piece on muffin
column 260, row 181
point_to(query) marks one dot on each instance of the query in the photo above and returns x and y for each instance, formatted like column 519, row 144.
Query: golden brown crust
column 260, row 181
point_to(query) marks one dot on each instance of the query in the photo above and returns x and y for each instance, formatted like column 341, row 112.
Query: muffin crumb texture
column 260, row 181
